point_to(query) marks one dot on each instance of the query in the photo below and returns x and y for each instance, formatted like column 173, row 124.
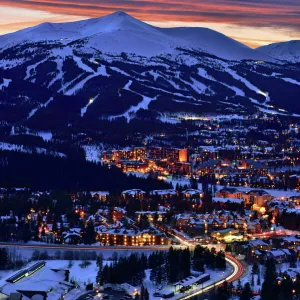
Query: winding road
column 238, row 268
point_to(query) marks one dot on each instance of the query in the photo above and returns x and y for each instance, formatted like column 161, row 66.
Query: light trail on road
column 238, row 271
column 238, row 268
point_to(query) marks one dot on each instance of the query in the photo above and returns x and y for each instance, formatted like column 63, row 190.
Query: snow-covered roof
column 163, row 192
column 133, row 192
column 42, row 280
column 230, row 200
column 192, row 192
column 258, row 243
column 190, row 280
column 100, row 193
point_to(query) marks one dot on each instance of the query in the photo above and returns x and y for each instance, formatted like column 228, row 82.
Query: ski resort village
column 139, row 162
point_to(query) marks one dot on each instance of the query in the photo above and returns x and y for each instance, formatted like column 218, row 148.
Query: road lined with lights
column 238, row 268
column 238, row 271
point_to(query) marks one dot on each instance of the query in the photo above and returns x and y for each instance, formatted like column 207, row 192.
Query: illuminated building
column 163, row 194
column 151, row 215
column 130, row 237
column 257, row 198
column 229, row 192
column 183, row 155
column 182, row 168
column 158, row 153
column 137, row 153
column 225, row 167
column 100, row 195
column 133, row 194
column 133, row 166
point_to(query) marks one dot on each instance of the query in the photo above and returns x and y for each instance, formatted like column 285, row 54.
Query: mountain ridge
column 82, row 82
column 288, row 50
column 121, row 31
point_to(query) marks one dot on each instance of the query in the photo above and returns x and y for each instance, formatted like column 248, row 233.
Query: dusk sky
column 253, row 22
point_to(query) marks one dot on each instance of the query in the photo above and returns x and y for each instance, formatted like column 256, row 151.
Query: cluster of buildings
column 162, row 160
column 223, row 226
column 282, row 249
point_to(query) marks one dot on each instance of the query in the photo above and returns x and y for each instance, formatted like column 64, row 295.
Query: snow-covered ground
column 215, row 275
column 5, row 83
column 45, row 277
column 22, row 148
column 92, row 152
column 257, row 287
column 130, row 113
column 275, row 193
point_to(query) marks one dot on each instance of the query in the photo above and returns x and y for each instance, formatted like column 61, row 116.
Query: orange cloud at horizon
column 263, row 21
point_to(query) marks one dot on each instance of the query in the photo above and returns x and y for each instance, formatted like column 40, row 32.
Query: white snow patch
column 33, row 67
column 203, row 73
column 5, row 83
column 84, row 109
column 144, row 104
column 100, row 71
column 92, row 152
column 59, row 76
column 45, row 135
column 22, row 148
column 248, row 84
column 33, row 111
column 290, row 80
column 119, row 71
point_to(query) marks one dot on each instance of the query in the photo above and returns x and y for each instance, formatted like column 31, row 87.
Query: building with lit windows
column 130, row 237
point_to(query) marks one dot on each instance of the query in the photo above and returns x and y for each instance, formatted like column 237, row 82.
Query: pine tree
column 142, row 292
column 258, row 279
column 146, row 294
column 246, row 292
column 255, row 268
column 252, row 280
column 269, row 287
column 4, row 260
column 99, row 277
column 239, row 285
column 89, row 237
column 100, row 262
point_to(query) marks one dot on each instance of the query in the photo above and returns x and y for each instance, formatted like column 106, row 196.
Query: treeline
column 209, row 258
column 44, row 172
column 290, row 219
column 126, row 269
column 64, row 255
column 166, row 267
column 279, row 286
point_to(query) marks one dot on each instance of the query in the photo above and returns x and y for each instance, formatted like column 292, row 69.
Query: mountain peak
column 119, row 32
column 289, row 50
column 120, row 13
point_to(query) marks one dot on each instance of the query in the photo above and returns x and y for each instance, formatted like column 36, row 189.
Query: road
column 238, row 268
column 85, row 248
column 238, row 271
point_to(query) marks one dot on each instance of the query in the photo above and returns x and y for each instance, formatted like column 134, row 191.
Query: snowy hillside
column 120, row 32
column 118, row 68
column 289, row 51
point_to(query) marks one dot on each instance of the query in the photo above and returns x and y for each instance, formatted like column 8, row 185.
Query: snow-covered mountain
column 117, row 68
column 119, row 32
column 289, row 51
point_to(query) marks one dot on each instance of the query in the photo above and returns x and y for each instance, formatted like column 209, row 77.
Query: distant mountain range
column 119, row 32
column 287, row 51
column 56, row 75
